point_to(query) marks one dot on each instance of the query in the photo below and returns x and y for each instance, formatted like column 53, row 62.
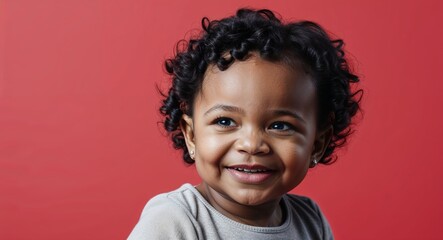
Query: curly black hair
column 233, row 39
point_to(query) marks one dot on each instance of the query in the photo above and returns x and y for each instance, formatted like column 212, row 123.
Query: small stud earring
column 314, row 162
column 191, row 154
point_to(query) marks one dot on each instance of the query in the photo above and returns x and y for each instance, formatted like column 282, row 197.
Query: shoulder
column 167, row 216
column 308, row 216
column 302, row 203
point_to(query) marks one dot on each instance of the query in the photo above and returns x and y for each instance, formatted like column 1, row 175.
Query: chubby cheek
column 211, row 155
column 211, row 149
column 296, row 164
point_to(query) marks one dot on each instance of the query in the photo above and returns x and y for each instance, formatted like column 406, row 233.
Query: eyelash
column 287, row 126
column 220, row 119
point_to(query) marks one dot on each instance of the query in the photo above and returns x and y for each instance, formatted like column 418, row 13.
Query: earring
column 314, row 162
column 191, row 154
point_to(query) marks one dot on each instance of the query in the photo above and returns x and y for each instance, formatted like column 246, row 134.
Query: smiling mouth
column 250, row 174
column 250, row 169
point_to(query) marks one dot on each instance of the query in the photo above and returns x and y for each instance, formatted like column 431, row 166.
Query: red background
column 81, row 153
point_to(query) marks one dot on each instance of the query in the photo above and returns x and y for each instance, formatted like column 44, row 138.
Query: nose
column 252, row 142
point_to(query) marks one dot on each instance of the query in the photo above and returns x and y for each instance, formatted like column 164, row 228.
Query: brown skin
column 254, row 113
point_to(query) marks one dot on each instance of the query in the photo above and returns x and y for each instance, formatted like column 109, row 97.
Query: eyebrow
column 223, row 107
column 282, row 112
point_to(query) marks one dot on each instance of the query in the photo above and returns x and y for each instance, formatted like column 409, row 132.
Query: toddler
column 254, row 103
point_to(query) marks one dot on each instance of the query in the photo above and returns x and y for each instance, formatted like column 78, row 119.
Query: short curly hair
column 233, row 39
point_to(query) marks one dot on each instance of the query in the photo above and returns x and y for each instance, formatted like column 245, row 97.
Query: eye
column 225, row 122
column 281, row 126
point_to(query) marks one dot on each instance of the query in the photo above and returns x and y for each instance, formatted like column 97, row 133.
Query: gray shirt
column 185, row 214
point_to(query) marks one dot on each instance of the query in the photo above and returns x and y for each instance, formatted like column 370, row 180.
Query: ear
column 187, row 127
column 321, row 142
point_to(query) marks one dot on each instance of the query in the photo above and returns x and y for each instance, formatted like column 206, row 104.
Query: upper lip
column 250, row 167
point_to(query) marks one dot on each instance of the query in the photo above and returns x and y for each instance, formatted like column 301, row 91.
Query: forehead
column 257, row 83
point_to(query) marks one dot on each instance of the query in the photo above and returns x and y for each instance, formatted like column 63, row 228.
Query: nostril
column 253, row 146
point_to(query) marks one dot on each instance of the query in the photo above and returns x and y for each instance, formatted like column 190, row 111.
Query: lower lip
column 249, row 178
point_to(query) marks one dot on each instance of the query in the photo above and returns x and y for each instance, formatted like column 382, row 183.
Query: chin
column 254, row 198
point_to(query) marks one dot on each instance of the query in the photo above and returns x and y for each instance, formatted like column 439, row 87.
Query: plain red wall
column 81, row 153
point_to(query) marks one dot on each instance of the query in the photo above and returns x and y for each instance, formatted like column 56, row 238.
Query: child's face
column 253, row 130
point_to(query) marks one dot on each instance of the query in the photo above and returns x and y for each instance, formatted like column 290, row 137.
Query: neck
column 268, row 214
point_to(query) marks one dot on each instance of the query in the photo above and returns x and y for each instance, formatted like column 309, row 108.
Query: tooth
column 250, row 170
